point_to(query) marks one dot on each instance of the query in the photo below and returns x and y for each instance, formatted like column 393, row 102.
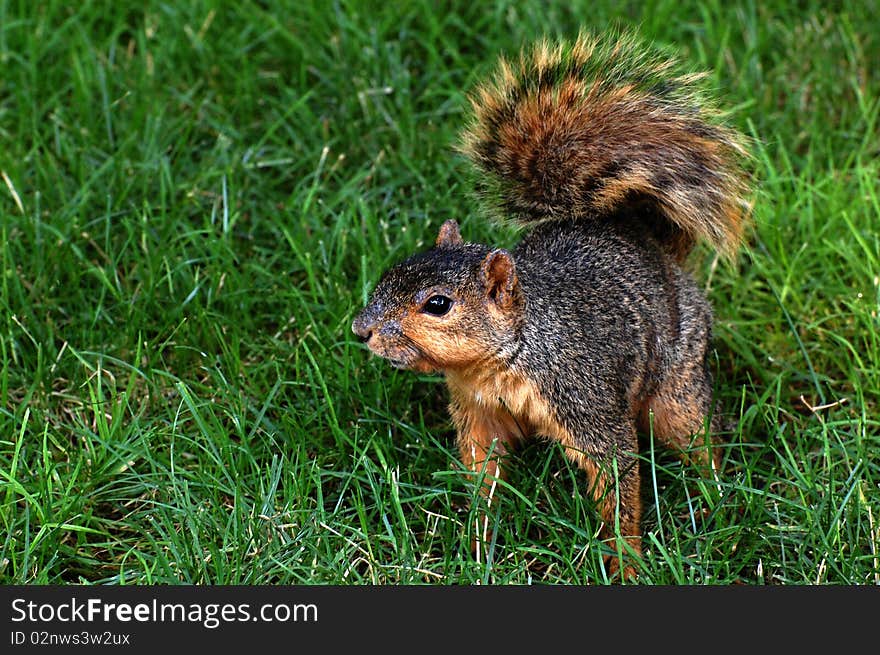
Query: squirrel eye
column 437, row 305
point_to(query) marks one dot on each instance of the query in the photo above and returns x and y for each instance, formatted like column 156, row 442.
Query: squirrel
column 589, row 330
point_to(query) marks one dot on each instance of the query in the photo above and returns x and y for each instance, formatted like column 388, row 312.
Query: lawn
column 196, row 199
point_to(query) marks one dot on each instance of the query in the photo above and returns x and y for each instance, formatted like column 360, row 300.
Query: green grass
column 196, row 199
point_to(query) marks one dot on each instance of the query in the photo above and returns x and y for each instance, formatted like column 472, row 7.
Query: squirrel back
column 593, row 128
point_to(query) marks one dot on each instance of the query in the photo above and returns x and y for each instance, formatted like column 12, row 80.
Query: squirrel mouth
column 407, row 362
column 400, row 354
column 410, row 362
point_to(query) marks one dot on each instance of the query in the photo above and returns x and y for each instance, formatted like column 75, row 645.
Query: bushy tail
column 590, row 128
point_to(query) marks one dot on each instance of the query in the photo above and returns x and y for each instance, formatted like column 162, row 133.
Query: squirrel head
column 454, row 306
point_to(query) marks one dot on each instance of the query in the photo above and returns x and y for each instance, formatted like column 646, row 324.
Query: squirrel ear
column 499, row 278
column 449, row 235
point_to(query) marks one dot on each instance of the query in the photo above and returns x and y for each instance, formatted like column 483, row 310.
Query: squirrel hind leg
column 677, row 414
column 620, row 503
column 615, row 489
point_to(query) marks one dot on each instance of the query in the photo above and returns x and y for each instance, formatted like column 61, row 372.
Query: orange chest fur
column 504, row 398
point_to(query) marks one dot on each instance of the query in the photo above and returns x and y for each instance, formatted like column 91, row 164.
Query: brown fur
column 589, row 329
column 494, row 409
column 550, row 152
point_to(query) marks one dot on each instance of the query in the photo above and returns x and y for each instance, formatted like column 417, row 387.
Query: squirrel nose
column 360, row 328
